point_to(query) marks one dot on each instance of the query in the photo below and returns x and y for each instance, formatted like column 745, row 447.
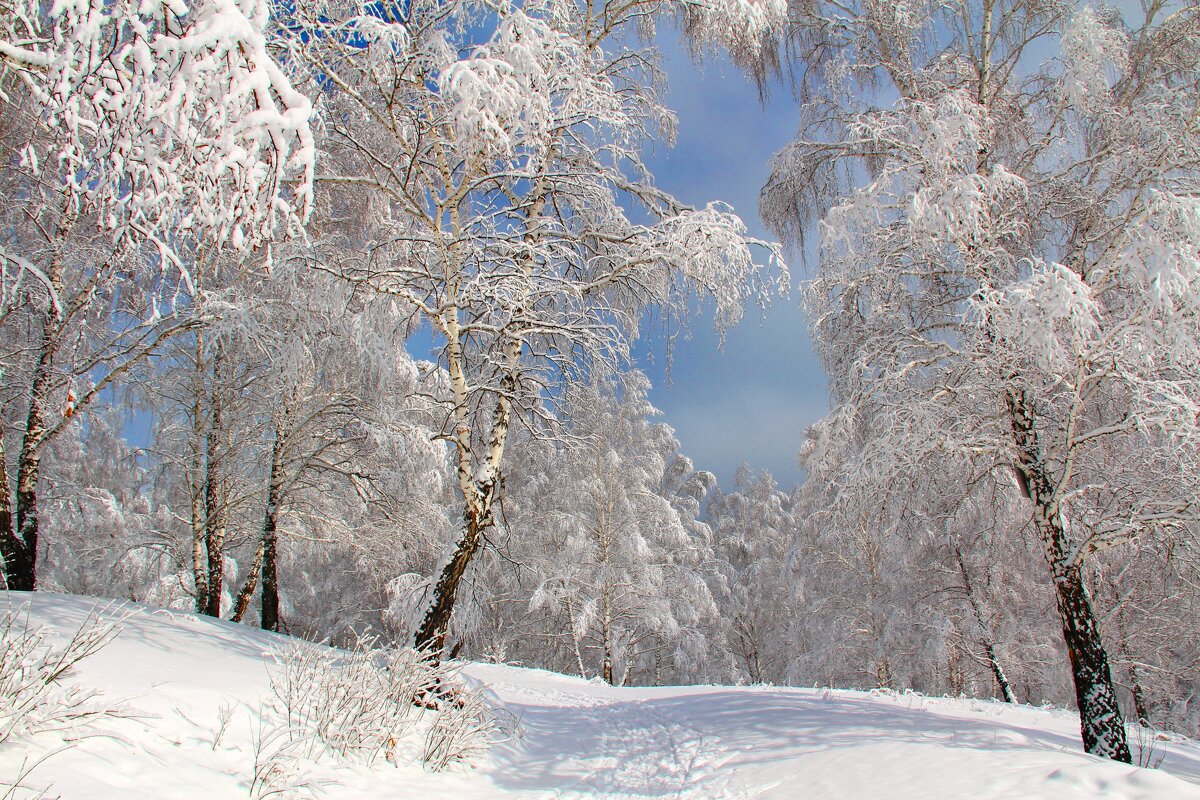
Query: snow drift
column 194, row 720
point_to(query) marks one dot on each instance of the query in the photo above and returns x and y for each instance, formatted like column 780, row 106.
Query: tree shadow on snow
column 667, row 746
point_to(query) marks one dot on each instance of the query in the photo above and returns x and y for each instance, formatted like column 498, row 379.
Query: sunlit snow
column 176, row 674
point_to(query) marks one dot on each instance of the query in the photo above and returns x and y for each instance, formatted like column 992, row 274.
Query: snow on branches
column 508, row 203
column 171, row 119
column 1009, row 270
column 1094, row 48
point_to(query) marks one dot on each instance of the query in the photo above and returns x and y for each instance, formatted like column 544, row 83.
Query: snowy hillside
column 176, row 676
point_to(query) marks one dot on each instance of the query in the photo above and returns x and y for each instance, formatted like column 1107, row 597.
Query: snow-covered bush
column 371, row 701
column 463, row 729
column 279, row 765
column 32, row 697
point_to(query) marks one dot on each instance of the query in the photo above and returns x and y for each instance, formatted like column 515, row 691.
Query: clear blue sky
column 751, row 400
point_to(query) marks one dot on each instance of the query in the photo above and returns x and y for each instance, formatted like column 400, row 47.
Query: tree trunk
column 1100, row 718
column 431, row 635
column 20, row 554
column 956, row 678
column 1006, row 691
column 604, row 510
column 214, row 512
column 1139, row 697
column 478, row 497
column 270, row 540
column 1140, row 708
column 197, row 483
column 1101, row 723
column 19, row 548
column 606, row 633
column 985, row 630
column 21, row 563
column 247, row 592
column 9, row 543
column 574, row 635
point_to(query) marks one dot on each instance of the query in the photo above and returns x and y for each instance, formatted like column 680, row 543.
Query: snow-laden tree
column 172, row 119
column 287, row 429
column 139, row 140
column 1010, row 219
column 498, row 149
column 102, row 517
column 753, row 530
column 345, row 421
column 601, row 560
column 926, row 580
column 1148, row 593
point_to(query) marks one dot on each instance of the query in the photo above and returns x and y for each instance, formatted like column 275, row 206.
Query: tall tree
column 1008, row 265
column 753, row 530
column 500, row 149
column 134, row 134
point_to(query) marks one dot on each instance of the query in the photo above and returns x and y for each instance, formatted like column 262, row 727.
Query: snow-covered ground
column 176, row 675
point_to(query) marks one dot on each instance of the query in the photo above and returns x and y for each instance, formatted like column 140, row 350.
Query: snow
column 176, row 672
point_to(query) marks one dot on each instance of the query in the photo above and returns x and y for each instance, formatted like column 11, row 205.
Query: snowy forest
column 224, row 221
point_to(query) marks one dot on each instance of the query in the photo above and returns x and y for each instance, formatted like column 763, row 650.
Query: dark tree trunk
column 20, row 568
column 197, row 482
column 269, row 620
column 15, row 558
column 1100, row 719
column 214, row 512
column 270, row 538
column 431, row 635
column 244, row 596
column 21, row 562
column 10, row 545
column 20, row 550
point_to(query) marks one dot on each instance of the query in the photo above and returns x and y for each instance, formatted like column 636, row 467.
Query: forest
column 222, row 221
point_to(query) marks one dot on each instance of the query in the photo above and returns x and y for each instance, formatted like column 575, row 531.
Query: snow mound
column 177, row 676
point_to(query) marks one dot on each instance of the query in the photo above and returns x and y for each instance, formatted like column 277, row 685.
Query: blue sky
column 751, row 400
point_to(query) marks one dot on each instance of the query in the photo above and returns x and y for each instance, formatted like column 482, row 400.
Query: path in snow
column 582, row 740
column 777, row 743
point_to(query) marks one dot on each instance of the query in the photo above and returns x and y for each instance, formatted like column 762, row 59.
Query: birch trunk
column 199, row 557
column 214, row 513
column 270, row 541
column 8, row 540
column 20, row 555
column 985, row 630
column 1101, row 723
column 431, row 636
column 479, row 493
column 247, row 593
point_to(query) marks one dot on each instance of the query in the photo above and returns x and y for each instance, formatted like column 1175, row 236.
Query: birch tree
column 753, row 531
column 1008, row 265
column 499, row 147
column 601, row 559
column 135, row 135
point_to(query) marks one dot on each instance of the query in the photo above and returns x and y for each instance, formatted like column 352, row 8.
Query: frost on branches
column 619, row 558
column 139, row 142
column 171, row 119
column 1009, row 276
column 499, row 154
